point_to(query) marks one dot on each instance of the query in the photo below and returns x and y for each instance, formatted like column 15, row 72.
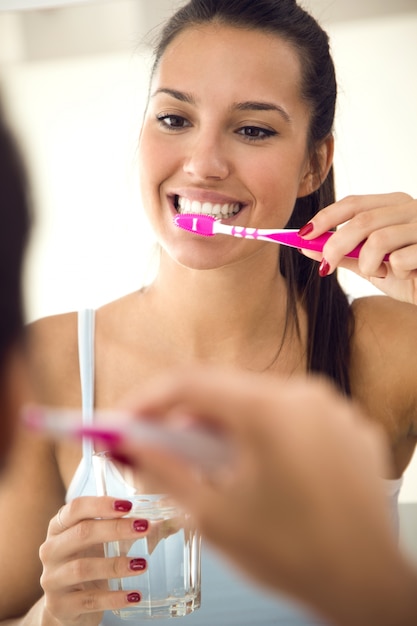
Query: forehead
column 219, row 59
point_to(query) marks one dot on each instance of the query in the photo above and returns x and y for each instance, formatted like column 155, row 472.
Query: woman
column 239, row 120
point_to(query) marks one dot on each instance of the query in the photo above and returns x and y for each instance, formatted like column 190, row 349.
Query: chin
column 197, row 257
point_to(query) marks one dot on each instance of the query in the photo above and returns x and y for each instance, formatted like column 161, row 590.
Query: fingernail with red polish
column 133, row 597
column 141, row 525
column 124, row 506
column 324, row 268
column 306, row 230
column 137, row 565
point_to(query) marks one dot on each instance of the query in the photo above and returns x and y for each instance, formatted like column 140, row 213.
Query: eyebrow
column 178, row 95
column 262, row 106
column 249, row 105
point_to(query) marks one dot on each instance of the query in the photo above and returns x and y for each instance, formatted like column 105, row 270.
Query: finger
column 227, row 399
column 172, row 474
column 74, row 605
column 91, row 532
column 201, row 391
column 398, row 241
column 221, row 396
column 387, row 282
column 378, row 447
column 403, row 262
column 84, row 508
column 390, row 240
column 348, row 208
column 379, row 238
column 311, row 254
column 84, row 570
column 353, row 266
column 87, row 507
column 59, row 520
column 327, row 267
column 403, row 290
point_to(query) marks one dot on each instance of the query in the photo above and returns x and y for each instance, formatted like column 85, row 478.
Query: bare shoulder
column 385, row 311
column 385, row 327
column 384, row 361
column 53, row 356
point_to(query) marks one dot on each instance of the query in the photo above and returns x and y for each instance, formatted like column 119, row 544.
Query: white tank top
column 83, row 483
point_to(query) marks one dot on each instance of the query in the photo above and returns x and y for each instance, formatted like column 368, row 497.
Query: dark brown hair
column 330, row 321
column 15, row 220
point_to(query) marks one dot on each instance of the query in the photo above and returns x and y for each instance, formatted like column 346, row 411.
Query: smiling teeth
column 207, row 208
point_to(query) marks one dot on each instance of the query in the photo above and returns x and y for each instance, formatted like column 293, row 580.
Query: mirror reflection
column 75, row 82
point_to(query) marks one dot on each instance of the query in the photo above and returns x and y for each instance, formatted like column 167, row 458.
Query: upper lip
column 205, row 195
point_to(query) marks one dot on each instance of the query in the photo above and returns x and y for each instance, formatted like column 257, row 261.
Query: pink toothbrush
column 196, row 444
column 207, row 225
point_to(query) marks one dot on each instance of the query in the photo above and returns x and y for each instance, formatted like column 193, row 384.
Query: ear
column 318, row 167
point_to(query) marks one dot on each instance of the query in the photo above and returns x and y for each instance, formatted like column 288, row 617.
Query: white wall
column 80, row 118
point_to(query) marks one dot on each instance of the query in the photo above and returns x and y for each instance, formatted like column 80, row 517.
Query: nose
column 207, row 159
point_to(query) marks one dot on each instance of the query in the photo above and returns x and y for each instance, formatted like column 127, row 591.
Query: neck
column 224, row 314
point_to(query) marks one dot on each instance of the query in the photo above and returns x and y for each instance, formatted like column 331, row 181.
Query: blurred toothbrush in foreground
column 207, row 450
column 207, row 225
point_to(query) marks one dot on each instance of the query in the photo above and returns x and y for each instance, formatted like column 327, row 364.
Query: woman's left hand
column 387, row 224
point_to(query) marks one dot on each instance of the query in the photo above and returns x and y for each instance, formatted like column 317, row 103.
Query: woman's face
column 225, row 132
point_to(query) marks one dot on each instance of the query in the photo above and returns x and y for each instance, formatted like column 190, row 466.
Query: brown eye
column 173, row 121
column 256, row 132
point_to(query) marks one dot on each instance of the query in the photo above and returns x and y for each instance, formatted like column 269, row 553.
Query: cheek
column 276, row 187
column 156, row 164
column 148, row 162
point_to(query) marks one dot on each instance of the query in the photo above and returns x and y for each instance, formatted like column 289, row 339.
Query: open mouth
column 220, row 211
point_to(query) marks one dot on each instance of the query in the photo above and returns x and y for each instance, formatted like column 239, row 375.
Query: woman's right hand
column 75, row 569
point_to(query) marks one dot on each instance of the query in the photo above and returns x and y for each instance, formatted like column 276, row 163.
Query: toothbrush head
column 196, row 223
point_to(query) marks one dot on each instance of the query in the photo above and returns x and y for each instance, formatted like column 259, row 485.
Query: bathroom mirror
column 74, row 80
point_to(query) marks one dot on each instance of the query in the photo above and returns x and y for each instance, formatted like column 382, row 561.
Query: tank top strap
column 86, row 329
column 83, row 482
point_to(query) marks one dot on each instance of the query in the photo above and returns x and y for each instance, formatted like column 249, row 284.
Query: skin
column 323, row 519
column 230, row 313
column 388, row 223
column 203, row 148
column 15, row 389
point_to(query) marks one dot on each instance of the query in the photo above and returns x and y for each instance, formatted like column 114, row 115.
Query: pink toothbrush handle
column 291, row 238
column 207, row 225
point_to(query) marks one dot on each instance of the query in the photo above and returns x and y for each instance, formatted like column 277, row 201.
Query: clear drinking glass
column 171, row 585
